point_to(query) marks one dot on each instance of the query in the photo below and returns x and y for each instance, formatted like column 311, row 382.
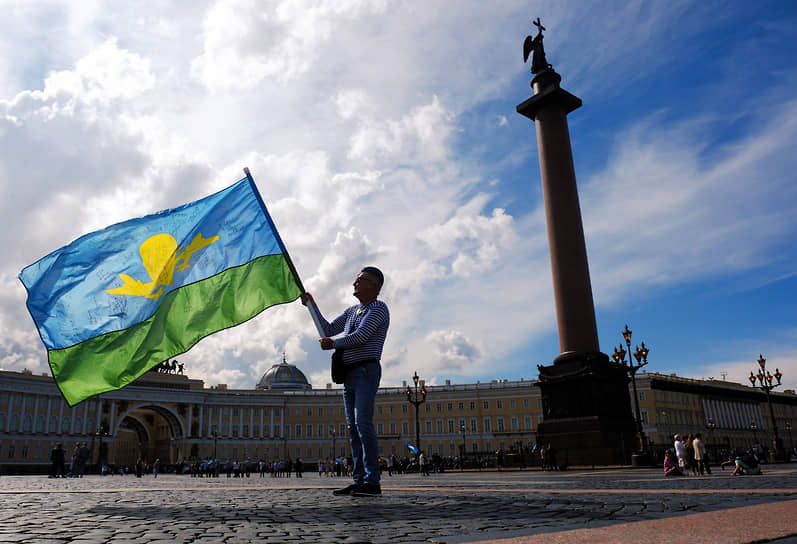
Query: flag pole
column 311, row 307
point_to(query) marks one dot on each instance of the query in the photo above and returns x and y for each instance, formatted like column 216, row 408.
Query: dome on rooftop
column 283, row 376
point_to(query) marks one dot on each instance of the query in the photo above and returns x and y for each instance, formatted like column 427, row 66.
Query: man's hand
column 305, row 297
column 326, row 343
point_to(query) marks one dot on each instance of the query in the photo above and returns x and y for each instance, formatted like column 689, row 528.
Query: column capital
column 548, row 92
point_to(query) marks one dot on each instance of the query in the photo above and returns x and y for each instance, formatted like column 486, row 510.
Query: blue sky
column 385, row 133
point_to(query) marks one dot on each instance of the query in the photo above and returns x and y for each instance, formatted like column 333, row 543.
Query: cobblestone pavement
column 443, row 508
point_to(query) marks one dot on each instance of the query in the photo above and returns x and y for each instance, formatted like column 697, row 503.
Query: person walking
column 697, row 446
column 364, row 327
column 57, row 459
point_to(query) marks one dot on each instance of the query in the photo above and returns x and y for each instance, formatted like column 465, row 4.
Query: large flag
column 114, row 303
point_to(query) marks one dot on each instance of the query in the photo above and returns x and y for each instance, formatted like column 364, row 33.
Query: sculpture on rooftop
column 538, row 61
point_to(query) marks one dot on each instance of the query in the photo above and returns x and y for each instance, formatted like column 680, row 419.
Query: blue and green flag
column 114, row 303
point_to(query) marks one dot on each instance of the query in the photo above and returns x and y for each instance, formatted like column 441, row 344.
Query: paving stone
column 446, row 508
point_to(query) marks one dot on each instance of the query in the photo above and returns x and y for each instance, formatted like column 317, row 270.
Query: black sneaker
column 348, row 490
column 368, row 490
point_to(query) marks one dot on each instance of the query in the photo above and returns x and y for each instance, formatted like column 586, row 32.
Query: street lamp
column 416, row 398
column 99, row 433
column 765, row 384
column 641, row 354
column 462, row 457
column 710, row 425
column 215, row 434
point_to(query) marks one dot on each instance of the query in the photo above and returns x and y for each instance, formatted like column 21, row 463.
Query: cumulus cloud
column 453, row 352
column 247, row 41
column 353, row 117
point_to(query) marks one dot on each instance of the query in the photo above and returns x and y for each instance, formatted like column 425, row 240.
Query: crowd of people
column 690, row 456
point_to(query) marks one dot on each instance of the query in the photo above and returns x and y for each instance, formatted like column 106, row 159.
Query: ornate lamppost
column 641, row 456
column 766, row 385
column 100, row 433
column 754, row 428
column 710, row 426
column 416, row 398
column 462, row 457
column 215, row 434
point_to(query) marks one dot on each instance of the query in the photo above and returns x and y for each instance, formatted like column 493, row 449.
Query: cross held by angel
column 534, row 45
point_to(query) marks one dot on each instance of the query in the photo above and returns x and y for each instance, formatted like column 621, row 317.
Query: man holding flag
column 365, row 328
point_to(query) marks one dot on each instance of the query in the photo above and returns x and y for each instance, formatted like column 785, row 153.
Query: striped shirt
column 367, row 329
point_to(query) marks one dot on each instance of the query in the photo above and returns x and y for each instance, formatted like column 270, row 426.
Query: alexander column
column 587, row 416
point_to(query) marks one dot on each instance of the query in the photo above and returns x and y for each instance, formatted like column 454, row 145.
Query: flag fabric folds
column 114, row 303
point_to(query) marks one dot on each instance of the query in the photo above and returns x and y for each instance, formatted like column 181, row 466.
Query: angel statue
column 538, row 62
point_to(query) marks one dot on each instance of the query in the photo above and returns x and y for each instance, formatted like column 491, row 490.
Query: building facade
column 173, row 418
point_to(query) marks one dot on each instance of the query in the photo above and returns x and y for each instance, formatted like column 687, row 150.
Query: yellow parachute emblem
column 160, row 258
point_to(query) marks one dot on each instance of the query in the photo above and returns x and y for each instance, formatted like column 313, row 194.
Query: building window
column 320, row 411
column 451, row 426
column 512, row 403
column 486, row 405
column 298, row 430
column 641, row 395
column 266, row 429
column 643, row 414
column 428, row 407
column 392, row 409
column 439, row 407
column 403, row 408
column 472, row 405
column 487, row 427
column 527, row 423
column 526, row 403
column 309, row 430
column 380, row 428
column 428, row 427
column 439, row 426
column 515, row 426
column 246, row 430
column 473, row 427
column 450, row 406
column 500, row 422
column 235, row 431
column 461, row 406
column 500, row 404
column 392, row 427
column 405, row 427
column 379, row 410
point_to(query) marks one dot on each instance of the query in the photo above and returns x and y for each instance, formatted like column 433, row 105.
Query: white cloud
column 352, row 117
column 453, row 352
column 247, row 41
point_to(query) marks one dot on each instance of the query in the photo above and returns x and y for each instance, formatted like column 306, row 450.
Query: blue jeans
column 359, row 396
